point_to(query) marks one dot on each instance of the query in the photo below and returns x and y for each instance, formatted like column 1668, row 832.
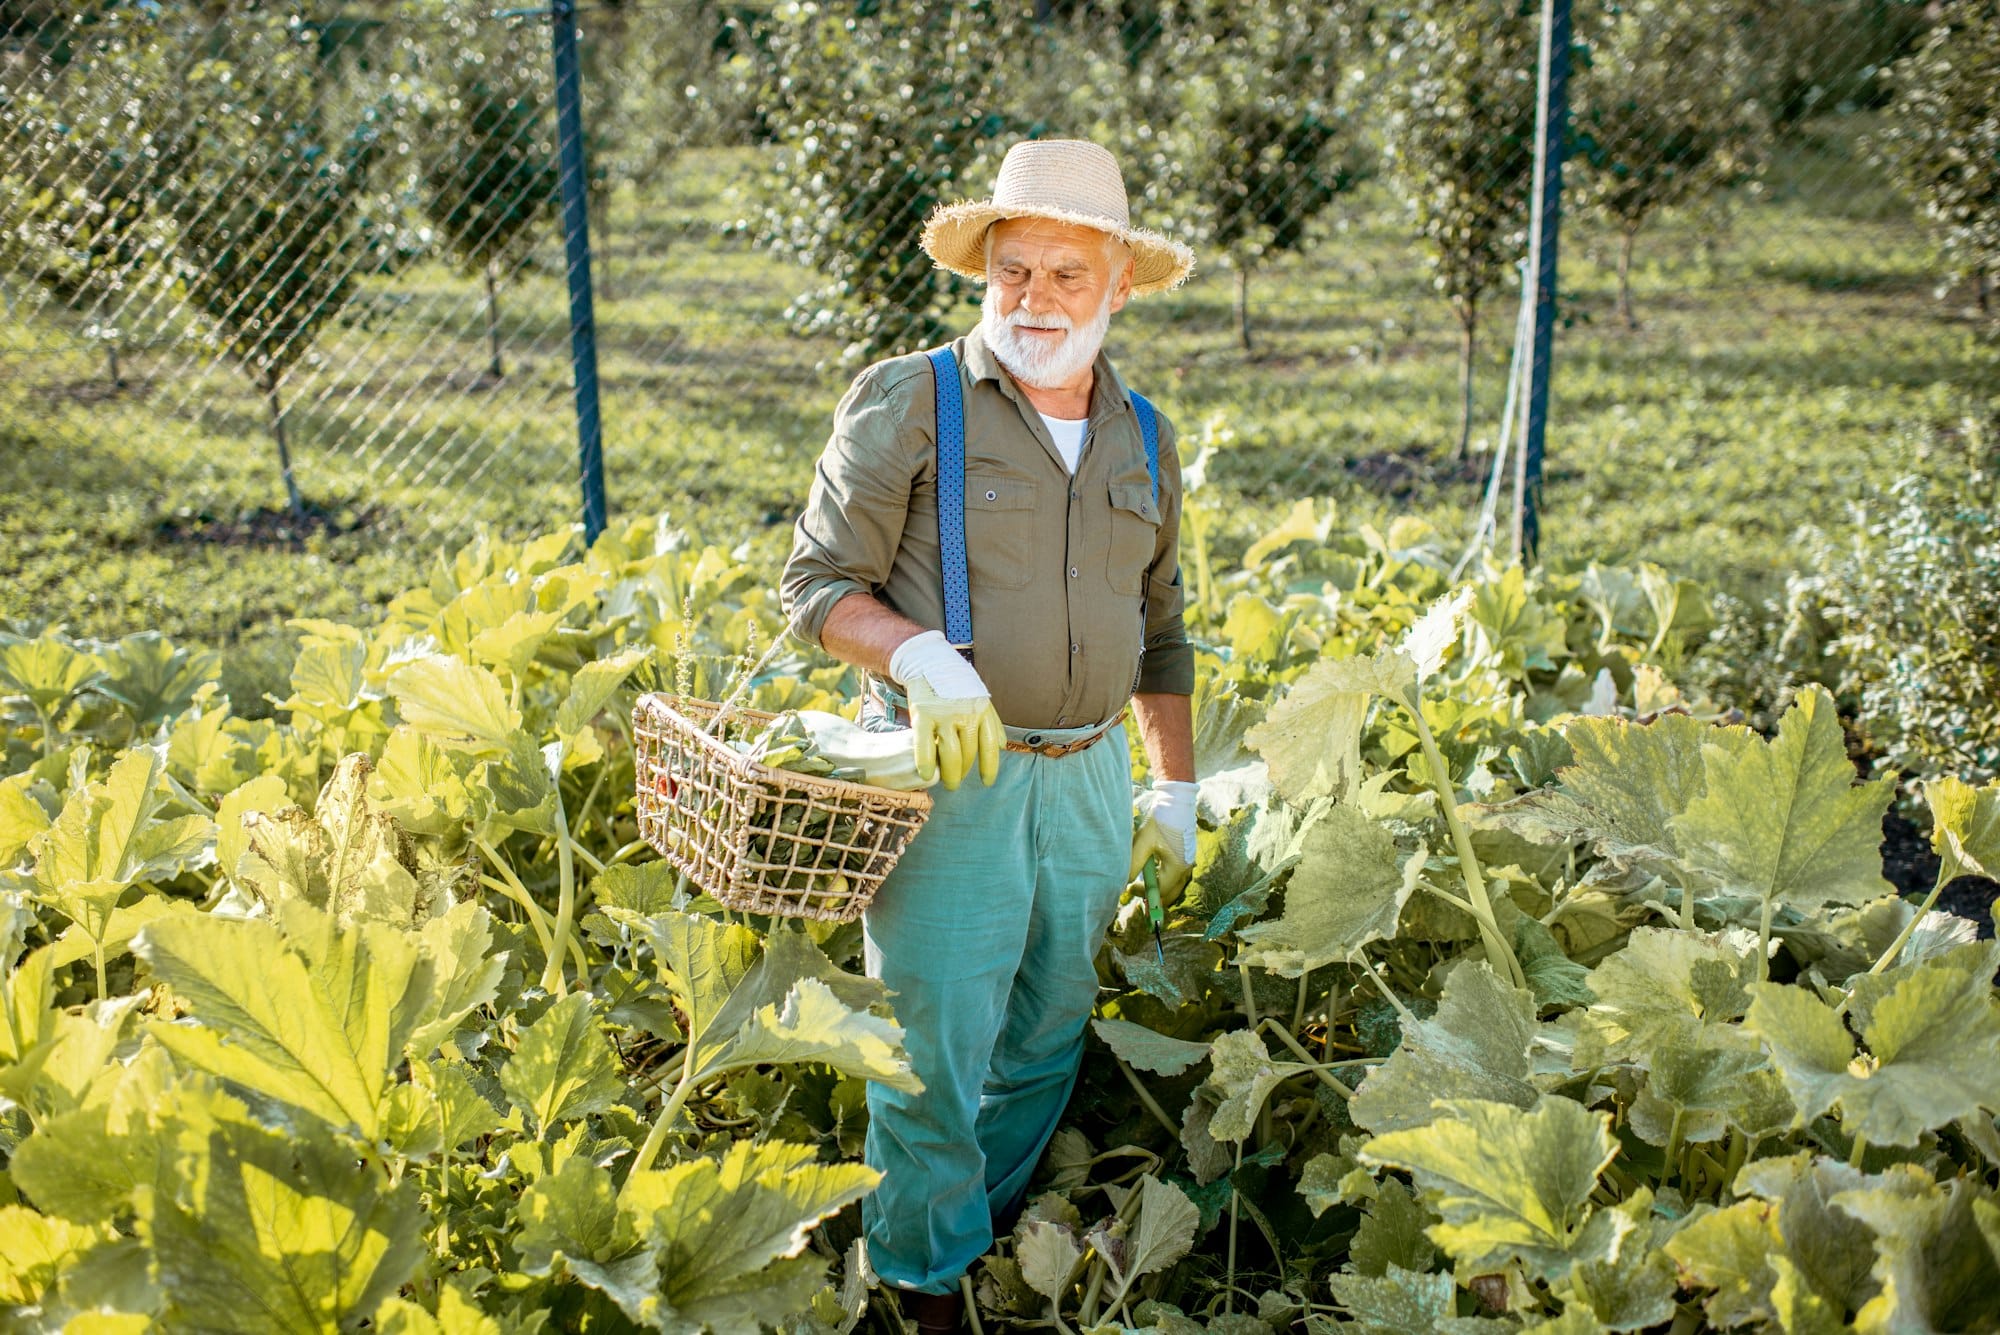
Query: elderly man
column 992, row 536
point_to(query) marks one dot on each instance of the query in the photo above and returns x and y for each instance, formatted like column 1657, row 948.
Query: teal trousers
column 987, row 935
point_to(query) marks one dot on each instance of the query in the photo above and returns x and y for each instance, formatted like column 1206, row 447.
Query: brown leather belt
column 1053, row 749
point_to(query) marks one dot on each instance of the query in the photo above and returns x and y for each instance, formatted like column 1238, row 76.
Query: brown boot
column 935, row 1313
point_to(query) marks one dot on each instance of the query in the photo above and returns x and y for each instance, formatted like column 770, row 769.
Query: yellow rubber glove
column 1168, row 832
column 951, row 711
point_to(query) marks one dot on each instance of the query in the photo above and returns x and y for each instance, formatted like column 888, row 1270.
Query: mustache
column 1020, row 319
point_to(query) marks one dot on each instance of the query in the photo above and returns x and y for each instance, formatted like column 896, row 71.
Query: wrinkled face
column 1051, row 289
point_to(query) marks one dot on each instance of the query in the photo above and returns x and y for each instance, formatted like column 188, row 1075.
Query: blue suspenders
column 951, row 490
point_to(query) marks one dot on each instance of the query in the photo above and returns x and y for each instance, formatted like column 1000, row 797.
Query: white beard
column 1036, row 361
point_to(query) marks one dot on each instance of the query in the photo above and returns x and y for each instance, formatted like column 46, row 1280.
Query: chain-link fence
column 284, row 299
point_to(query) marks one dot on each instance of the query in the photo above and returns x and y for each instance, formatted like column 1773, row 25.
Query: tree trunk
column 1983, row 293
column 111, row 356
column 1468, row 324
column 493, row 324
column 1243, row 307
column 297, row 501
column 1625, row 277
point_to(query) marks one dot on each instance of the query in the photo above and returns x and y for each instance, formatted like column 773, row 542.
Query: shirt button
column 1061, row 719
column 1072, row 495
column 1072, row 572
column 1076, row 648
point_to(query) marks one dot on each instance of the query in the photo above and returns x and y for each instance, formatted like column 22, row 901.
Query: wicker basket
column 762, row 840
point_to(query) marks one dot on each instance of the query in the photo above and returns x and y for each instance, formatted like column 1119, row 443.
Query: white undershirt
column 1067, row 433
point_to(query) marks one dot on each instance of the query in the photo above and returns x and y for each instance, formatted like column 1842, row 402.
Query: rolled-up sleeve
column 845, row 541
column 1168, row 666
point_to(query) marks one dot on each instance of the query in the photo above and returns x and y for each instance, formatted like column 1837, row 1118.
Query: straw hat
column 1070, row 181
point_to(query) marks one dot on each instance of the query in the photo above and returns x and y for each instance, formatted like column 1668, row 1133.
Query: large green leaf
column 22, row 818
column 563, row 1068
column 316, row 1017
column 1627, row 781
column 1933, row 1053
column 1475, row 1047
column 1347, row 890
column 1164, row 1232
column 1243, row 1077
column 1934, row 1253
column 35, row 1251
column 456, row 1315
column 1149, row 1049
column 813, row 1025
column 701, row 961
column 112, row 833
column 1311, row 739
column 346, row 857
column 1395, row 1302
column 466, row 971
column 1965, row 827
column 265, row 793
column 456, row 703
column 1784, row 820
column 570, row 1221
column 1508, row 1185
column 1392, row 1233
column 731, row 1234
column 1729, row 1251
column 1649, row 989
column 45, row 671
column 423, row 785
column 152, row 680
column 278, row 1231
column 1512, row 629
column 1703, row 1080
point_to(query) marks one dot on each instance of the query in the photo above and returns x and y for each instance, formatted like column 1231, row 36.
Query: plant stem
column 1299, row 1007
column 1947, row 872
column 676, row 1101
column 1667, row 1170
column 1854, row 1154
column 1249, row 1001
column 1468, row 865
column 1764, row 939
column 1402, row 1011
column 97, row 955
column 514, row 890
column 552, row 976
column 1229, row 1294
column 1146, row 1099
column 1305, row 1058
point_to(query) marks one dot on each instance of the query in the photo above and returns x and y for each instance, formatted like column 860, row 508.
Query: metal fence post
column 576, row 236
column 1545, row 228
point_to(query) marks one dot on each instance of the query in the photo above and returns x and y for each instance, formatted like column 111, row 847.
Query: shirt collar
column 1108, row 394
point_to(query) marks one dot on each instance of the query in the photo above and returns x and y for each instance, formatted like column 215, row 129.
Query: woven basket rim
column 745, row 767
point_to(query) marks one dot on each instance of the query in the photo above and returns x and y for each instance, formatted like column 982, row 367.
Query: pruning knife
column 1153, row 909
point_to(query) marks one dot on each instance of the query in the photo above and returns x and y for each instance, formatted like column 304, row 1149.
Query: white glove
column 1169, row 831
column 951, row 711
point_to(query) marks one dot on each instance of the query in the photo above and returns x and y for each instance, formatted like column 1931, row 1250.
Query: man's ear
column 1121, row 290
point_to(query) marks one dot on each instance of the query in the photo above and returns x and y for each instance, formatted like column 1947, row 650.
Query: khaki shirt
column 1061, row 566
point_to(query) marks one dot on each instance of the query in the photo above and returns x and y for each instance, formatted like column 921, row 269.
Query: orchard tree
column 1942, row 139
column 1817, row 56
column 85, row 152
column 879, row 114
column 1459, row 142
column 489, row 178
column 1663, row 113
column 1259, row 137
column 275, row 215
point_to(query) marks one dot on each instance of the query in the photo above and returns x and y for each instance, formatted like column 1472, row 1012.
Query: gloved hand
column 1168, row 830
column 951, row 711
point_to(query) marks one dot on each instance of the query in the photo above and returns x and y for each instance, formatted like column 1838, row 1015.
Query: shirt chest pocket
column 1135, row 535
column 999, row 531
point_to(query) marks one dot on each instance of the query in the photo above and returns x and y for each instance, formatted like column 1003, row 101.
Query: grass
column 1786, row 343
